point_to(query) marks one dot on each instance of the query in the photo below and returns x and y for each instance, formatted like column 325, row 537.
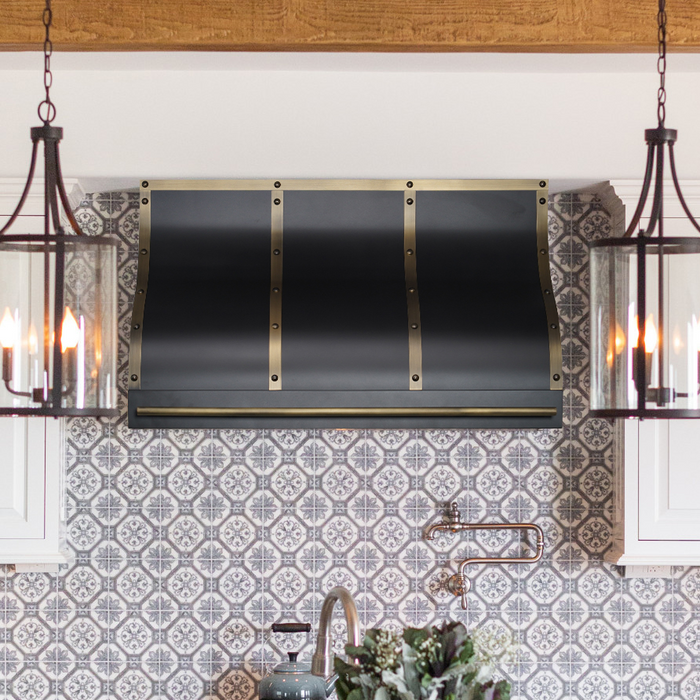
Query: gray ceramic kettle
column 293, row 680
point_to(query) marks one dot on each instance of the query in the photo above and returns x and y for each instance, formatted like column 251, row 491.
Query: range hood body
column 344, row 304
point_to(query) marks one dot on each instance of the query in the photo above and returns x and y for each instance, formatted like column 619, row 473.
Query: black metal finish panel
column 482, row 312
column 207, row 306
column 344, row 315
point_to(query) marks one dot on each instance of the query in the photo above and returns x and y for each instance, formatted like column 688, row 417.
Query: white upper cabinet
column 32, row 508
column 657, row 493
column 669, row 480
column 22, row 478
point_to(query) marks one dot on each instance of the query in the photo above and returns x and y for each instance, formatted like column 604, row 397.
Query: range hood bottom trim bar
column 417, row 412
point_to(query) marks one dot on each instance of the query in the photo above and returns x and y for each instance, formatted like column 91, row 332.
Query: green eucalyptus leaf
column 414, row 637
column 371, row 637
column 502, row 691
column 467, row 651
column 357, row 652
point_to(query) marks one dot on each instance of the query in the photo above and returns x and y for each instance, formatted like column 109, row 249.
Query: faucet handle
column 460, row 585
column 291, row 627
column 453, row 513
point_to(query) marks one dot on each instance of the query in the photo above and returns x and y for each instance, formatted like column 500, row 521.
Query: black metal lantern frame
column 57, row 297
column 645, row 298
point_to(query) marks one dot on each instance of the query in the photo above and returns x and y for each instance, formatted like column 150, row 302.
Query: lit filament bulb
column 33, row 340
column 651, row 337
column 7, row 330
column 678, row 344
column 70, row 332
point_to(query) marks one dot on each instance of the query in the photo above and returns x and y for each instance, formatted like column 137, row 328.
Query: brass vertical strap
column 146, row 195
column 276, row 253
column 415, row 351
column 556, row 380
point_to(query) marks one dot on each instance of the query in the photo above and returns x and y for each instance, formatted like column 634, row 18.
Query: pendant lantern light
column 57, row 297
column 645, row 298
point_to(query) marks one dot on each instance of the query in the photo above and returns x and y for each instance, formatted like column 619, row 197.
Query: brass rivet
column 276, row 251
column 553, row 326
column 409, row 184
column 137, row 326
column 414, row 326
column 275, row 325
column 278, row 184
column 274, row 377
column 144, row 201
column 409, row 201
column 134, row 377
column 140, row 291
column 556, row 377
column 409, row 252
column 143, row 251
column 278, row 201
column 415, row 377
column 543, row 183
column 144, row 183
column 275, row 289
column 547, row 291
column 543, row 200
column 543, row 252
column 411, row 290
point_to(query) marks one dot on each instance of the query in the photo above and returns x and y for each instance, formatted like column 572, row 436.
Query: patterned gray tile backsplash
column 189, row 544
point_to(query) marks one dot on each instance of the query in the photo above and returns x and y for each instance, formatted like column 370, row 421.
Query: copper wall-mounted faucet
column 458, row 583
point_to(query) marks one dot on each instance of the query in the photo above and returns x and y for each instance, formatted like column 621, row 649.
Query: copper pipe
column 459, row 584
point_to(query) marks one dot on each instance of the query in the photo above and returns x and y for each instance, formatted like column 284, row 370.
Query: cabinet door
column 669, row 480
column 22, row 477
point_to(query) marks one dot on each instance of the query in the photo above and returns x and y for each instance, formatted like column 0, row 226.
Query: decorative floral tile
column 189, row 544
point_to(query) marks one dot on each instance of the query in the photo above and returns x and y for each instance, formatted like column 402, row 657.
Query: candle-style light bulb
column 70, row 335
column 678, row 343
column 7, row 330
column 33, row 340
column 651, row 336
column 70, row 332
column 7, row 340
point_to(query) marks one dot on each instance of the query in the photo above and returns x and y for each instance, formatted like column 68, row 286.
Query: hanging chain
column 661, row 63
column 46, row 106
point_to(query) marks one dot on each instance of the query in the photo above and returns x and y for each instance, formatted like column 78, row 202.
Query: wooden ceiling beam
column 583, row 26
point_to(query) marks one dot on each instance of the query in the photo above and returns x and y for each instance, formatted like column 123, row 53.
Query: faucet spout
column 322, row 660
column 452, row 523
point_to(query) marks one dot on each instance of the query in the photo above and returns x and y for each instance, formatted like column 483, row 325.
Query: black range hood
column 344, row 304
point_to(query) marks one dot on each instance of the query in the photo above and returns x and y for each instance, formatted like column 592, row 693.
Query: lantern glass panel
column 66, row 364
column 667, row 328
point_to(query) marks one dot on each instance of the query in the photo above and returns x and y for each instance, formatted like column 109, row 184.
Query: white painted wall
column 133, row 116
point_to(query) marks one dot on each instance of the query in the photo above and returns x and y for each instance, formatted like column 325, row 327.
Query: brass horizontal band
column 281, row 185
column 276, row 256
column 348, row 411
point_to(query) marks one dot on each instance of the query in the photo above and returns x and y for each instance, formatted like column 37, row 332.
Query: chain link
column 661, row 64
column 46, row 105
